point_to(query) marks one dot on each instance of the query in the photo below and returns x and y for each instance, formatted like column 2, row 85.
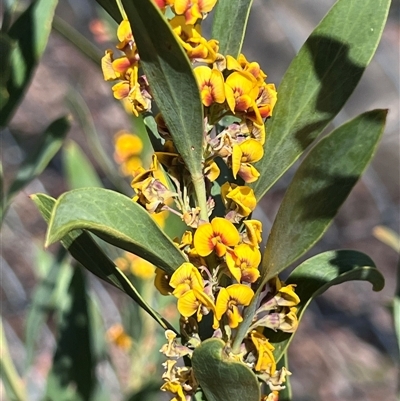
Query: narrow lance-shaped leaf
column 171, row 79
column 35, row 163
column 30, row 33
column 319, row 187
column 318, row 83
column 117, row 220
column 13, row 384
column 46, row 300
column 85, row 250
column 79, row 171
column 222, row 378
column 229, row 25
column 72, row 375
column 316, row 275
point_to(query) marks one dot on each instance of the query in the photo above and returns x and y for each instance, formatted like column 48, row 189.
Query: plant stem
column 247, row 320
column 201, row 197
column 121, row 9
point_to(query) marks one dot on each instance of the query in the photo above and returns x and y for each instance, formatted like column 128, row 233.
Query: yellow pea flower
column 241, row 91
column 241, row 64
column 211, row 170
column 243, row 263
column 189, row 36
column 229, row 300
column 266, row 361
column 240, row 199
column 264, row 104
column 249, row 151
column 162, row 4
column 193, row 9
column 175, row 388
column 124, row 34
column 286, row 296
column 109, row 73
column 211, row 85
column 215, row 236
column 194, row 301
column 186, row 277
column 253, row 232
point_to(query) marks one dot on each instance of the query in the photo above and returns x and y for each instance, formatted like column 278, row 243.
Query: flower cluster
column 217, row 281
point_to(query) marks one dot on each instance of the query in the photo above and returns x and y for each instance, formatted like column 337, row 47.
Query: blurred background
column 345, row 348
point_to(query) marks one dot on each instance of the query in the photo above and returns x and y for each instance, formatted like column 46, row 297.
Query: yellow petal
column 221, row 305
column 188, row 304
column 124, row 31
column 202, row 239
column 252, row 151
column 109, row 73
column 242, row 294
column 121, row 90
column 233, row 268
column 185, row 278
column 248, row 172
column 226, row 231
column 253, row 231
column 236, row 159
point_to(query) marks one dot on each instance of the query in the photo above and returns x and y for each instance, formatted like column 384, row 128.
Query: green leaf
column 319, row 187
column 52, row 288
column 171, row 79
column 73, row 370
column 6, row 46
column 85, row 250
column 30, row 33
column 13, row 385
column 316, row 275
column 37, row 161
column 117, row 220
column 318, row 83
column 79, row 41
column 222, row 378
column 79, row 171
column 229, row 25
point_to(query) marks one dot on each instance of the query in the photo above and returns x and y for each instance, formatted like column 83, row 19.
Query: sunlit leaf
column 85, row 250
column 319, row 187
column 116, row 219
column 316, row 275
column 229, row 25
column 318, row 83
column 29, row 34
column 171, row 79
column 222, row 378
